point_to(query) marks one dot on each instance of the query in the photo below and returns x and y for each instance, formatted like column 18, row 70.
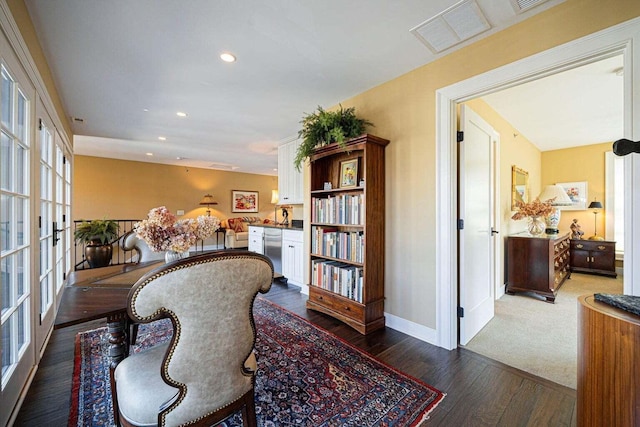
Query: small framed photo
column 577, row 192
column 244, row 201
column 349, row 173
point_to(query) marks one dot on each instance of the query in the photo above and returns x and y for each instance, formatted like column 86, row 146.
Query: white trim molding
column 413, row 329
column 620, row 39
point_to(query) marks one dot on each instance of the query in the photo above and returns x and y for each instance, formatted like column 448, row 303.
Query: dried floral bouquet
column 164, row 232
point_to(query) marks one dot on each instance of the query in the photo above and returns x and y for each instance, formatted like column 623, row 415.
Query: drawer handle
column 320, row 297
column 602, row 248
column 579, row 246
column 347, row 308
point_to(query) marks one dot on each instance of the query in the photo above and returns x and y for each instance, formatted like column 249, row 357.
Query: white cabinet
column 293, row 256
column 256, row 239
column 290, row 183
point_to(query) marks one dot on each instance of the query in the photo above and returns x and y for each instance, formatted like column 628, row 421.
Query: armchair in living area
column 236, row 234
column 207, row 371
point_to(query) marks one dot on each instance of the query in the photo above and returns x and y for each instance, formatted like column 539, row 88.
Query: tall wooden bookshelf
column 347, row 232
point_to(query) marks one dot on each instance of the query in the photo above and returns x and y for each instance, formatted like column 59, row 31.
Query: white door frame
column 620, row 39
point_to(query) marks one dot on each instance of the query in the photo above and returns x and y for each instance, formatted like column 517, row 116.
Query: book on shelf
column 340, row 209
column 337, row 277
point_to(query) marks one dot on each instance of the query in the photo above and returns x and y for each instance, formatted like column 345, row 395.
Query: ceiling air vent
column 460, row 22
column 523, row 5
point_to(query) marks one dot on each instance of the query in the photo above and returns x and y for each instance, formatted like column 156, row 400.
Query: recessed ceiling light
column 181, row 114
column 227, row 57
column 162, row 138
column 146, row 110
column 149, row 154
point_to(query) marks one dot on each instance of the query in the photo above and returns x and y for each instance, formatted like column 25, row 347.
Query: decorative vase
column 536, row 225
column 97, row 254
column 170, row 256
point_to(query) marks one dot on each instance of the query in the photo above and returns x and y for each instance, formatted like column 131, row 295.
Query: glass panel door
column 15, row 253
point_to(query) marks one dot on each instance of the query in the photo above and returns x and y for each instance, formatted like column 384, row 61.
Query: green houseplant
column 324, row 127
column 98, row 236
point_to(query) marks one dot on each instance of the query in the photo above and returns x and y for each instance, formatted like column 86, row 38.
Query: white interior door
column 476, row 206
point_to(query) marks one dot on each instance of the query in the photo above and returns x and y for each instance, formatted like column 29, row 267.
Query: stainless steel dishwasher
column 273, row 247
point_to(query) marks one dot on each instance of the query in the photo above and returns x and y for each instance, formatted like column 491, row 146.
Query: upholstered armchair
column 206, row 372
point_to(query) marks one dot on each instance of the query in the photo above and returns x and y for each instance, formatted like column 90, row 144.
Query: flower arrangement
column 164, row 232
column 533, row 209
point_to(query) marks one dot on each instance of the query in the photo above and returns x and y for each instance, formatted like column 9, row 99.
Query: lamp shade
column 595, row 205
column 208, row 200
column 274, row 197
column 557, row 193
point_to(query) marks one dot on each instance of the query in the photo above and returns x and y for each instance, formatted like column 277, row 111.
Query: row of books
column 348, row 245
column 341, row 278
column 340, row 209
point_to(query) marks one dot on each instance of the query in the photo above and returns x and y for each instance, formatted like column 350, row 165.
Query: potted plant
column 325, row 127
column 98, row 236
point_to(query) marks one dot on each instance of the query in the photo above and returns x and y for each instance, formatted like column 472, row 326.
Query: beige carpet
column 537, row 337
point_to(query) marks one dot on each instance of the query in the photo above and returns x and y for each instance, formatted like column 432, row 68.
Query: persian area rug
column 306, row 377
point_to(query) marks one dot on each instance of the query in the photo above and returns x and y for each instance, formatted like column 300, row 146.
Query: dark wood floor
column 480, row 391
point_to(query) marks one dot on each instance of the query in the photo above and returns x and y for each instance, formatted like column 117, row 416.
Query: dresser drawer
column 345, row 306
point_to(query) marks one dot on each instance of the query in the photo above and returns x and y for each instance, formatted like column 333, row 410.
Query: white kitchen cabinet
column 256, row 239
column 293, row 256
column 290, row 181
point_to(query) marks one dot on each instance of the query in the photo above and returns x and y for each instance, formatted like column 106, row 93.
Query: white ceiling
column 581, row 106
column 126, row 67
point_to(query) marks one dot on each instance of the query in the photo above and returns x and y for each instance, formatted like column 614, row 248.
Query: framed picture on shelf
column 244, row 201
column 577, row 192
column 349, row 173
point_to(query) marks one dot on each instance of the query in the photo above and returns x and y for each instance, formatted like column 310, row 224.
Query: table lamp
column 207, row 201
column 595, row 205
column 560, row 198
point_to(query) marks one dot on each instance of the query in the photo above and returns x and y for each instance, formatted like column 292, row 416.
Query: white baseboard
column 408, row 327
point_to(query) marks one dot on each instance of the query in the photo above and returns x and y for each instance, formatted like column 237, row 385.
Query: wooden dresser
column 608, row 365
column 593, row 256
column 537, row 264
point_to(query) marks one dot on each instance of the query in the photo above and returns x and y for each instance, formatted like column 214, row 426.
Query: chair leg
column 133, row 333
column 249, row 411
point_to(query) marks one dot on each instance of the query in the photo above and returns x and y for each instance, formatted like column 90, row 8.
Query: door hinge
column 459, row 136
column 461, row 224
column 460, row 312
column 39, row 222
column 39, row 124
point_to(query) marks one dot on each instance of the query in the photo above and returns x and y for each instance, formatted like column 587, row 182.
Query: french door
column 16, row 298
column 35, row 230
column 53, row 227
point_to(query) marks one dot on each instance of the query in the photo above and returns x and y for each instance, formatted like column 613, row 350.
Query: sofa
column 236, row 235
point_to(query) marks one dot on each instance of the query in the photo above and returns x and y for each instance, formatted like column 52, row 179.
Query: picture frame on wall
column 577, row 192
column 244, row 201
column 349, row 173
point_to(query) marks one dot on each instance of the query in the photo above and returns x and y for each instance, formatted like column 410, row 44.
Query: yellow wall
column 403, row 111
column 123, row 189
column 575, row 165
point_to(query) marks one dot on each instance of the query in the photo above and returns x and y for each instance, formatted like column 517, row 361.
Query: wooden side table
column 594, row 257
column 608, row 365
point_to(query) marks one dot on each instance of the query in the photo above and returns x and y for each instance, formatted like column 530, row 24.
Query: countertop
column 280, row 226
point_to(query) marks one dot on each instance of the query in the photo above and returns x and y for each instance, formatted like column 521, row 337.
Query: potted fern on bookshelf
column 324, row 127
column 98, row 236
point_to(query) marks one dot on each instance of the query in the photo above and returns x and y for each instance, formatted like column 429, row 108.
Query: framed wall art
column 577, row 192
column 349, row 173
column 244, row 201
